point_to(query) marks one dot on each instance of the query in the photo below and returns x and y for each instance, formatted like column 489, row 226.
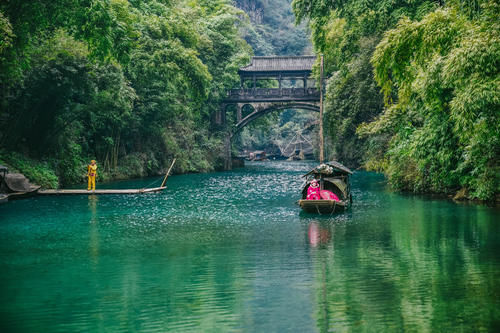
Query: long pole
column 168, row 172
column 321, row 139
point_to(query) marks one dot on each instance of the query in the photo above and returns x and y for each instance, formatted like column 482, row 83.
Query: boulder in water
column 17, row 182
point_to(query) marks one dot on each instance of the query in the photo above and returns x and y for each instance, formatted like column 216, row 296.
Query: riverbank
column 38, row 172
column 45, row 172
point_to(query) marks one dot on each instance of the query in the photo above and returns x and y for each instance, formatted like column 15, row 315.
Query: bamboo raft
column 111, row 191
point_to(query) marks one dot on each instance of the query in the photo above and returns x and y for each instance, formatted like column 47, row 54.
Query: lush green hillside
column 271, row 29
column 418, row 81
column 129, row 83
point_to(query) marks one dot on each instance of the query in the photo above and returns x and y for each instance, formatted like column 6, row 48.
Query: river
column 232, row 252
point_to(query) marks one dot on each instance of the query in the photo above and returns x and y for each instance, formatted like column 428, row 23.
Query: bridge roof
column 280, row 63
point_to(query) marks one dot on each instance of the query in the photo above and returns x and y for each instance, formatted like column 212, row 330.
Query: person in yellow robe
column 91, row 173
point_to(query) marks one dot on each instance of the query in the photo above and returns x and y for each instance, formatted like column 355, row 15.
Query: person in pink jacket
column 313, row 192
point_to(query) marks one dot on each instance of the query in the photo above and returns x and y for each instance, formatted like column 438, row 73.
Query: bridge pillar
column 220, row 116
column 228, row 160
column 238, row 112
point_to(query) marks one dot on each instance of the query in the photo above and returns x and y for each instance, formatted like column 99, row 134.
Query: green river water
column 232, row 252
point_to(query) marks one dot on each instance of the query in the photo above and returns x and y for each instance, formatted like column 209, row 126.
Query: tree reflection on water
column 426, row 267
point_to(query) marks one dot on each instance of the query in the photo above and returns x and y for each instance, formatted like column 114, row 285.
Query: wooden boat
column 331, row 176
column 258, row 155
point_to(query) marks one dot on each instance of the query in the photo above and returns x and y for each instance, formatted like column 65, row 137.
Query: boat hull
column 323, row 206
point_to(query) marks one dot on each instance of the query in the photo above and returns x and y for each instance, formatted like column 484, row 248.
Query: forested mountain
column 272, row 29
column 129, row 83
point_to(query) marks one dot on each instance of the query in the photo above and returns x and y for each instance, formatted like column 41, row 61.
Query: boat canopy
column 329, row 169
column 336, row 185
column 339, row 183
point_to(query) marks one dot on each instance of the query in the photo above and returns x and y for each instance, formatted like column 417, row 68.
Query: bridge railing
column 263, row 93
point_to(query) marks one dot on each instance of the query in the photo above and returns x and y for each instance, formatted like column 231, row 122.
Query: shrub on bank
column 38, row 172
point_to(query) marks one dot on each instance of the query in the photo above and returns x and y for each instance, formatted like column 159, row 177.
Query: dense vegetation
column 412, row 88
column 129, row 83
column 419, row 82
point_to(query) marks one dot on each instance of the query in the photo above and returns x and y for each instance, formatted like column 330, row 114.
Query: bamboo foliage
column 444, row 73
column 432, row 124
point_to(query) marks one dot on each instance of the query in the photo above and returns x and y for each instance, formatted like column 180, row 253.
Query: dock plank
column 103, row 191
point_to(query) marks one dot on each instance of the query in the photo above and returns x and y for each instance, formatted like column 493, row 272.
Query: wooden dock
column 108, row 191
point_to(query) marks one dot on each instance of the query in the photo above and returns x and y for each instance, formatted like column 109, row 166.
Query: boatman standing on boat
column 92, row 173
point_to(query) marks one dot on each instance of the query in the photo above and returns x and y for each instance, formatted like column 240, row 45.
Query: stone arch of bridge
column 266, row 100
column 261, row 109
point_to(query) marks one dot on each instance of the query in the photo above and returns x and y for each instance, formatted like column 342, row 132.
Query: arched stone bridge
column 295, row 91
column 262, row 108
